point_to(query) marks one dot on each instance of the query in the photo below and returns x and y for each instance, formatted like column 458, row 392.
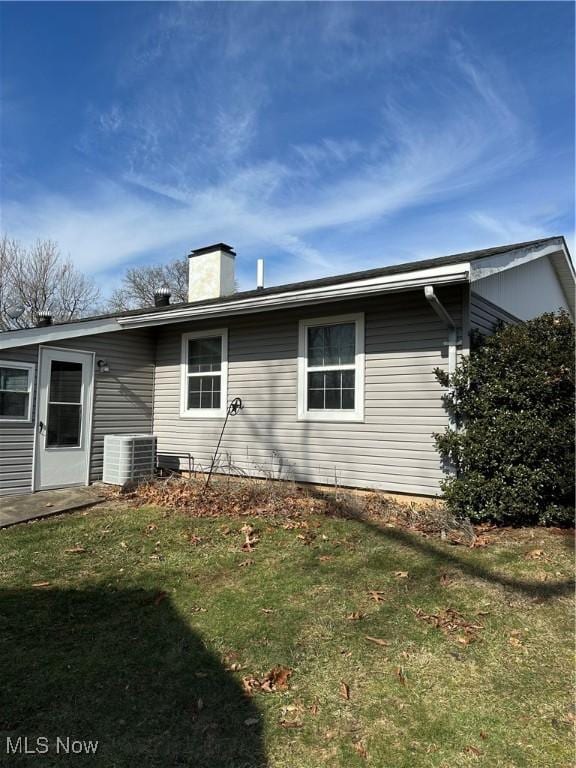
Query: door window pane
column 65, row 382
column 14, row 404
column 63, row 429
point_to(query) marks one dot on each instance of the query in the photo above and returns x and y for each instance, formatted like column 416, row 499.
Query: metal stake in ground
column 234, row 408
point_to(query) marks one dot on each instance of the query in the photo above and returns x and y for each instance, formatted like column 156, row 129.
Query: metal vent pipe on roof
column 43, row 319
column 260, row 274
column 162, row 297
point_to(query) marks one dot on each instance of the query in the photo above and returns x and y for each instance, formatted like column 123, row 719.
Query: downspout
column 446, row 318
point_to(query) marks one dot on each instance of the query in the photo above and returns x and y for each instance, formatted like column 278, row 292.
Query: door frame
column 89, row 413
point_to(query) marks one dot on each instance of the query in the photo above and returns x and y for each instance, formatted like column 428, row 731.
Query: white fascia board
column 453, row 273
column 490, row 265
column 50, row 333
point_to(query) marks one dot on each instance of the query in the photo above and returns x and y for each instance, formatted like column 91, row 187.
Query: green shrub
column 511, row 443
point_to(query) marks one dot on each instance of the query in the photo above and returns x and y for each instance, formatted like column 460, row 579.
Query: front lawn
column 360, row 644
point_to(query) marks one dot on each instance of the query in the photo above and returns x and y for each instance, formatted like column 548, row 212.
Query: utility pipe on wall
column 446, row 318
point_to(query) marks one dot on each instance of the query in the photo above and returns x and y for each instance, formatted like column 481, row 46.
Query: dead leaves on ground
column 78, row 550
column 450, row 622
column 376, row 595
column 344, row 691
column 250, row 538
column 377, row 641
column 274, row 680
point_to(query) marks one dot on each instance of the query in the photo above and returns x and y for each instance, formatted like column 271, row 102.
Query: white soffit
column 554, row 250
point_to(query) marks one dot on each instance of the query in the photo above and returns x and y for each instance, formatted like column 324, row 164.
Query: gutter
column 373, row 286
column 449, row 323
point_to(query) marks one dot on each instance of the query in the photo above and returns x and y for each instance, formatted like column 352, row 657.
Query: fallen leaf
column 401, row 574
column 41, row 584
column 465, row 639
column 325, row 558
column 376, row 595
column 361, row 749
column 314, row 709
column 401, row 675
column 344, row 691
column 244, row 563
column 356, row 616
column 483, row 735
column 291, row 724
column 445, row 580
column 151, row 528
column 75, row 550
column 123, row 545
column 267, row 610
column 377, row 640
column 473, row 750
column 515, row 641
column 535, row 554
column 48, row 505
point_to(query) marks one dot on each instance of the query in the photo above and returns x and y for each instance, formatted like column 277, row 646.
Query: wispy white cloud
column 183, row 160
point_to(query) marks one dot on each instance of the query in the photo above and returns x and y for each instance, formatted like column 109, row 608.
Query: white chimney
column 211, row 272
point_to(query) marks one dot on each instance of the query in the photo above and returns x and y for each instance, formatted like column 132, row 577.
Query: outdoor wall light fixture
column 103, row 366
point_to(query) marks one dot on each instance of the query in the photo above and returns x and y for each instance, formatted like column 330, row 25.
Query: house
column 336, row 375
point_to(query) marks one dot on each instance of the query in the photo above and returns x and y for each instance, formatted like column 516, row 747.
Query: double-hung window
column 16, row 385
column 331, row 369
column 204, row 373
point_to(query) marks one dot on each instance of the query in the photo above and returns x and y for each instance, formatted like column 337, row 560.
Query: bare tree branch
column 140, row 283
column 40, row 280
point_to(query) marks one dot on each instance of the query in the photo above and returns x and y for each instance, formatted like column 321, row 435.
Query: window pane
column 315, row 399
column 65, row 382
column 332, row 399
column 332, row 344
column 203, row 392
column 14, row 404
column 63, row 425
column 348, row 399
column 331, row 390
column 205, row 354
column 14, row 379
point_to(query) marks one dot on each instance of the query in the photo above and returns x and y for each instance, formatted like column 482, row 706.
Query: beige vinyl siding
column 123, row 396
column 17, row 439
column 484, row 315
column 393, row 449
column 123, row 399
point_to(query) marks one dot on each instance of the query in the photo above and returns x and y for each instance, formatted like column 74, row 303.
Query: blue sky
column 324, row 137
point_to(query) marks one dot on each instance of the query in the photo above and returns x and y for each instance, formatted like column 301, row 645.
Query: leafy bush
column 511, row 443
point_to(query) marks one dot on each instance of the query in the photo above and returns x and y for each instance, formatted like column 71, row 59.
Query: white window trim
column 204, row 413
column 31, row 368
column 357, row 414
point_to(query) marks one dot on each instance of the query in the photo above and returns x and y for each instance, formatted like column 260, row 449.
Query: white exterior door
column 63, row 421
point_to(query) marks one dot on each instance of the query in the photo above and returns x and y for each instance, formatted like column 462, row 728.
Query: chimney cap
column 209, row 248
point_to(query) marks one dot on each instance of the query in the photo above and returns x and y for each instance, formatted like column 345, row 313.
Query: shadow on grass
column 457, row 558
column 121, row 668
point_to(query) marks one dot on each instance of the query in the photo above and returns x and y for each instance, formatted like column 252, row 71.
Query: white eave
column 51, row 333
column 400, row 281
column 453, row 273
